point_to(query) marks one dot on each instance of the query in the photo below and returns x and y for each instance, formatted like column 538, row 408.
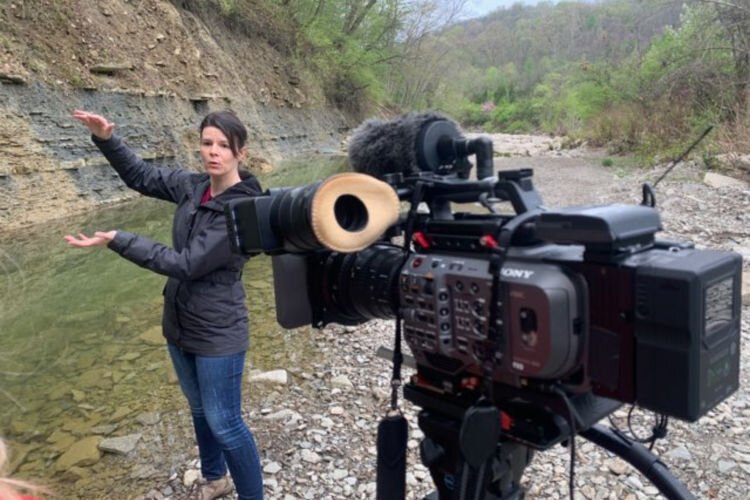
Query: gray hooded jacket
column 204, row 299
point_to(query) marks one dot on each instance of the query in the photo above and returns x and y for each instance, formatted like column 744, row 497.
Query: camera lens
column 357, row 286
column 350, row 213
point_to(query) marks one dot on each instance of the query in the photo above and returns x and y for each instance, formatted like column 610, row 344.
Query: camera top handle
column 514, row 186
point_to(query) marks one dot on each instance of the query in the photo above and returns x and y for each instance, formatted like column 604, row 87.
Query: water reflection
column 81, row 352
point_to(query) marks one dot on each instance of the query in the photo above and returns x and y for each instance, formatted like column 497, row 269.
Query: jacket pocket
column 209, row 304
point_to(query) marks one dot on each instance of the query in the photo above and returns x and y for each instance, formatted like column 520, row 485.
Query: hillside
column 155, row 68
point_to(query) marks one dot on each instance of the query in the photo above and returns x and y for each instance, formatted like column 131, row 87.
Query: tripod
column 540, row 427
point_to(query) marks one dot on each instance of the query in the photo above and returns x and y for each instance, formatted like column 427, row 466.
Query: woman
column 205, row 320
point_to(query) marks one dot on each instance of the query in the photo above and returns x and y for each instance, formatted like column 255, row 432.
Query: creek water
column 81, row 352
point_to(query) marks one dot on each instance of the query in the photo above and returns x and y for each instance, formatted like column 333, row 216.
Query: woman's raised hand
column 98, row 125
column 99, row 239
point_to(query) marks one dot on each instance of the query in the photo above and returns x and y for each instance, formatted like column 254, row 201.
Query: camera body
column 658, row 326
column 633, row 319
column 585, row 299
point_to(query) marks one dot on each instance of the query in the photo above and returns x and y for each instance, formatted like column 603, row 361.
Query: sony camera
column 584, row 299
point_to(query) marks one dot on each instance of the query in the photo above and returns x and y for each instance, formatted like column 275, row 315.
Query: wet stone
column 148, row 418
column 121, row 445
column 84, row 452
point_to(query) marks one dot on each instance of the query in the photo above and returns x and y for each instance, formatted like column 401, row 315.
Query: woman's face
column 216, row 153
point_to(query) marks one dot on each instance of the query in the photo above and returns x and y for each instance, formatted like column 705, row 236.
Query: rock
column 153, row 336
column 725, row 466
column 19, row 427
column 75, row 473
column 310, row 456
column 336, row 410
column 18, row 454
column 339, row 474
column 121, row 445
column 342, row 381
column 105, row 429
column 270, row 377
column 680, row 453
column 84, row 452
column 144, row 472
column 284, row 415
column 272, row 468
column 260, row 164
column 619, row 467
column 12, row 78
column 190, row 477
column 111, row 68
column 78, row 396
column 720, row 181
column 634, row 482
column 148, row 418
column 120, row 414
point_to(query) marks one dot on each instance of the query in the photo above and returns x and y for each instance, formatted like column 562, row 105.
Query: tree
column 734, row 17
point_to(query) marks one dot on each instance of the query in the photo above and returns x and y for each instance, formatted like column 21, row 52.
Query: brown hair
column 230, row 126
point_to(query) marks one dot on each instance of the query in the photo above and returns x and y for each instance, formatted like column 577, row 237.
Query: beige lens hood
column 378, row 198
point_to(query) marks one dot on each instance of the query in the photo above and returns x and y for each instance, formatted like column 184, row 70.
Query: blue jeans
column 212, row 385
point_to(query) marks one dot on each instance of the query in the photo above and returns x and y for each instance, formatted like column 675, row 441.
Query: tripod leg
column 641, row 458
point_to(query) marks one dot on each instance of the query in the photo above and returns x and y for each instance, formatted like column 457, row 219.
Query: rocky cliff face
column 154, row 68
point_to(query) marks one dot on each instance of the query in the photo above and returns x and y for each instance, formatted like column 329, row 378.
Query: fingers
column 100, row 238
column 93, row 120
column 81, row 241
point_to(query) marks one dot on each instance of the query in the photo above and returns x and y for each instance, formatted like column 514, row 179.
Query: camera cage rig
column 461, row 414
column 455, row 426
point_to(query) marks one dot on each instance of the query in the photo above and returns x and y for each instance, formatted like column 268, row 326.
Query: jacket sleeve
column 157, row 182
column 207, row 251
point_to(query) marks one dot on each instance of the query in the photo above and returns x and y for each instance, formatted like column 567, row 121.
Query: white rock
column 271, row 377
column 342, row 381
column 310, row 456
column 339, row 474
column 272, row 468
column 337, row 410
column 719, row 181
column 190, row 477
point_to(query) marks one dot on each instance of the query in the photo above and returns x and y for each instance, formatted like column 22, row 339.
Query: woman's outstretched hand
column 98, row 125
column 99, row 239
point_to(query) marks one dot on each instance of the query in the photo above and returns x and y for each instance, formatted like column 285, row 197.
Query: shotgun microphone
column 415, row 143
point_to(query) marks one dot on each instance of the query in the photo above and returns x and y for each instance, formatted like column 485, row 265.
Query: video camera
column 557, row 315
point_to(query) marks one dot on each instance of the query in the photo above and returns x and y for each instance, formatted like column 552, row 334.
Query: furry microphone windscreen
column 379, row 147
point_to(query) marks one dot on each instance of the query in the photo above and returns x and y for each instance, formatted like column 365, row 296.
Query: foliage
column 352, row 45
column 642, row 76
